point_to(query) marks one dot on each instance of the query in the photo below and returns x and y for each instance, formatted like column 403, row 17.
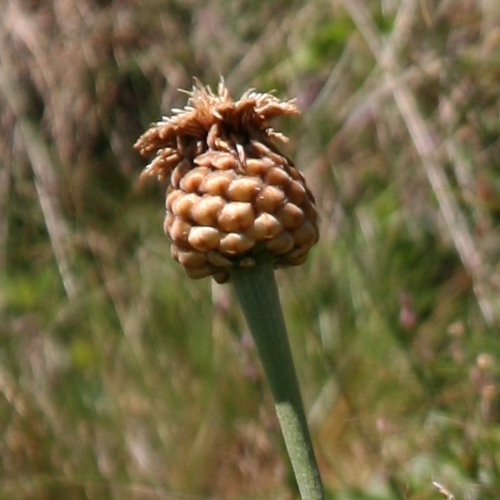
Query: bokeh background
column 120, row 378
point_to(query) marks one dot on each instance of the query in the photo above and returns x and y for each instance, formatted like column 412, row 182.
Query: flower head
column 232, row 196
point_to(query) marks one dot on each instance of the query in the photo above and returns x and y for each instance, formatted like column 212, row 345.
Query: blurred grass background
column 119, row 378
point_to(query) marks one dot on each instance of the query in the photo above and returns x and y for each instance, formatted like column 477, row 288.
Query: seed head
column 232, row 196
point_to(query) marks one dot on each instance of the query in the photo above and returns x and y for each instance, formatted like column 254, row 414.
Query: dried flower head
column 232, row 195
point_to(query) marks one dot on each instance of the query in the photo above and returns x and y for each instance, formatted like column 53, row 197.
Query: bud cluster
column 232, row 195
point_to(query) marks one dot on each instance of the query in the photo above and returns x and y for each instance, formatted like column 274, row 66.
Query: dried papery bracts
column 232, row 195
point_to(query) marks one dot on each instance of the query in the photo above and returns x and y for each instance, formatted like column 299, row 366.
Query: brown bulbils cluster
column 232, row 195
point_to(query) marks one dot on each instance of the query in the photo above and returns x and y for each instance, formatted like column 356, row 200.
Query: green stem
column 258, row 295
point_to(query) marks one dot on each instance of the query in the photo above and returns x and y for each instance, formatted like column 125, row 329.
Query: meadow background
column 120, row 378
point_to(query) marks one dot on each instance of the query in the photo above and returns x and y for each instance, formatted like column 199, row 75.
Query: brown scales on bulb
column 232, row 194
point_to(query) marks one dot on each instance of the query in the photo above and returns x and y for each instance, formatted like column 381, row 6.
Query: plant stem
column 258, row 294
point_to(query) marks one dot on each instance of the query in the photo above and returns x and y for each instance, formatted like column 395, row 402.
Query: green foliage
column 120, row 378
column 326, row 42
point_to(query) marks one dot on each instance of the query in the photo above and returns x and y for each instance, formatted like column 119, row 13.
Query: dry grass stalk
column 426, row 148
